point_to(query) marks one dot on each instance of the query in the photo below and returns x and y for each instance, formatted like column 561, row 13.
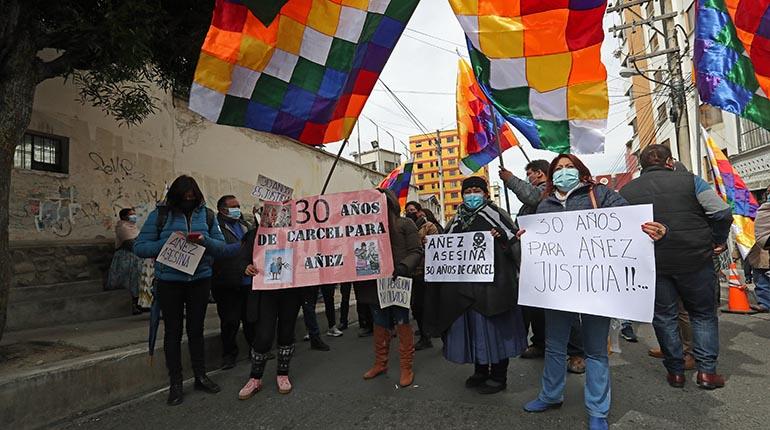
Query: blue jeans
column 698, row 291
column 390, row 315
column 762, row 286
column 557, row 333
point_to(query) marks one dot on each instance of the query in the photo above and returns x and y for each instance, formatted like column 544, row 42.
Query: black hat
column 475, row 181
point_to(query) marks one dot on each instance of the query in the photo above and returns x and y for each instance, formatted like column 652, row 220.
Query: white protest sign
column 461, row 257
column 271, row 190
column 396, row 292
column 596, row 262
column 180, row 254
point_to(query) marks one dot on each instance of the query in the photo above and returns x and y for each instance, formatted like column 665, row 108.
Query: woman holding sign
column 570, row 188
column 183, row 219
column 481, row 320
column 407, row 254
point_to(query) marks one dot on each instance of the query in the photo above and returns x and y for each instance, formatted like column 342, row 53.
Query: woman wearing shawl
column 481, row 320
column 125, row 270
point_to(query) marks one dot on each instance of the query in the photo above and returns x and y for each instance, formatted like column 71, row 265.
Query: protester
column 309, row 300
column 698, row 223
column 685, row 333
column 407, row 254
column 760, row 259
column 432, row 218
column 529, row 193
column 364, row 311
column 345, row 289
column 271, row 310
column 181, row 295
column 481, row 321
column 570, row 188
column 414, row 211
column 125, row 270
column 230, row 288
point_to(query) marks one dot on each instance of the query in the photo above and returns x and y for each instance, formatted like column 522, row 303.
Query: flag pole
column 334, row 166
column 500, row 158
column 524, row 152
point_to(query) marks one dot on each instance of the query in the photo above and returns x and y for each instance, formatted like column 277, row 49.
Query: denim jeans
column 597, row 386
column 390, row 315
column 697, row 290
column 762, row 286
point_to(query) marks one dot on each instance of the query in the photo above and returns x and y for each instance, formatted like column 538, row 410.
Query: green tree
column 113, row 50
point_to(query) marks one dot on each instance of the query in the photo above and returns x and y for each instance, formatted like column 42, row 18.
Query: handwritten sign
column 323, row 240
column 596, row 262
column 271, row 190
column 396, row 292
column 462, row 257
column 180, row 254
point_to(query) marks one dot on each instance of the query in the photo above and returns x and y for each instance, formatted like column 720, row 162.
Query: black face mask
column 412, row 216
column 188, row 205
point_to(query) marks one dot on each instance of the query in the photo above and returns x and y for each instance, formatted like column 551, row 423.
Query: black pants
column 418, row 303
column 179, row 300
column 534, row 318
column 308, row 307
column 345, row 303
column 231, row 308
column 277, row 309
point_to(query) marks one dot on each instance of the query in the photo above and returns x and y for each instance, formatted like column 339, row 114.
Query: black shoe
column 203, row 383
column 175, row 394
column 365, row 332
column 342, row 326
column 476, row 380
column 228, row 362
column 533, row 351
column 491, row 386
column 424, row 343
column 628, row 334
column 318, row 344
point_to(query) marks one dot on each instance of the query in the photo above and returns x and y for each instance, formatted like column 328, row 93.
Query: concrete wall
column 112, row 166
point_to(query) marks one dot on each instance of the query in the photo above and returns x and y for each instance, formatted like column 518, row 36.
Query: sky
column 422, row 72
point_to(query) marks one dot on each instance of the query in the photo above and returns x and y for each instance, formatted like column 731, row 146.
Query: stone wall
column 54, row 263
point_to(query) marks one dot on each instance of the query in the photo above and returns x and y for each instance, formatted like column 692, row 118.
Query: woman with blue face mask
column 571, row 188
column 481, row 321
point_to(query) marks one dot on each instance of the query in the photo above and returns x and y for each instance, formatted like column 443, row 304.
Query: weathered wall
column 113, row 166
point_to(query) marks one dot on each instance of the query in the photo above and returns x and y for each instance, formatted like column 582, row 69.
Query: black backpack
column 163, row 211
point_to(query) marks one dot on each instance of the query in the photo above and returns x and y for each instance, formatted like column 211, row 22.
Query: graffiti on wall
column 128, row 187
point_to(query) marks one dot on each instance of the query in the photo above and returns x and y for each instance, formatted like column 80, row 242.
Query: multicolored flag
column 477, row 123
column 734, row 191
column 732, row 57
column 539, row 62
column 298, row 68
column 398, row 180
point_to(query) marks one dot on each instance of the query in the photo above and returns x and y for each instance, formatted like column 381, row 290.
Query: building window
column 690, row 15
column 650, row 9
column 450, row 139
column 420, row 176
column 418, row 155
column 419, row 165
column 450, row 150
column 654, row 42
column 43, row 152
column 455, row 195
column 662, row 114
column 752, row 136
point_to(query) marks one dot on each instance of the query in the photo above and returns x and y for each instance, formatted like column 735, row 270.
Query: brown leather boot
column 406, row 353
column 381, row 347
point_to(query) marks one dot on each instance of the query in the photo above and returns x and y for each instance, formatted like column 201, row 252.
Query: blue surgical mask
column 473, row 200
column 566, row 179
column 132, row 218
column 234, row 213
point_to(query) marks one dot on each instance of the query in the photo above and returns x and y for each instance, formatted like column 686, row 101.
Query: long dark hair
column 179, row 188
column 432, row 218
column 585, row 174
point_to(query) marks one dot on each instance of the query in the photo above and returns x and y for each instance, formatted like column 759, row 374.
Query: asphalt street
column 329, row 393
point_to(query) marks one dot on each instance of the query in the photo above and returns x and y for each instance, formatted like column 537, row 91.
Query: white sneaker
column 334, row 332
column 306, row 338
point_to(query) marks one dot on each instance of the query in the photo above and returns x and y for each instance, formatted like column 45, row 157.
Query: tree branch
column 62, row 65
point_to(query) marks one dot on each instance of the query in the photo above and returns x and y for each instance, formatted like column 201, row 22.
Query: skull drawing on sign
column 478, row 242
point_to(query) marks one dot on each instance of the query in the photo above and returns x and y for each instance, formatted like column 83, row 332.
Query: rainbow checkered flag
column 539, row 62
column 734, row 192
column 398, row 181
column 297, row 68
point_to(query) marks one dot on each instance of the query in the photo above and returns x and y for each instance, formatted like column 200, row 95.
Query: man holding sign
column 570, row 188
column 477, row 297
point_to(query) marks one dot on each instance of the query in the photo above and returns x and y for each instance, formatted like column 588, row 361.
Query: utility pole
column 676, row 84
column 440, row 176
column 358, row 130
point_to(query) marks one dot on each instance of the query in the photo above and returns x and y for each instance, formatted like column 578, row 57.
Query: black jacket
column 488, row 299
column 689, row 241
column 228, row 271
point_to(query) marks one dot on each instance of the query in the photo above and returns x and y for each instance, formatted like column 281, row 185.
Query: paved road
column 330, row 393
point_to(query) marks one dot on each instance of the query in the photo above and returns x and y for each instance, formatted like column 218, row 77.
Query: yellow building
column 426, row 172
